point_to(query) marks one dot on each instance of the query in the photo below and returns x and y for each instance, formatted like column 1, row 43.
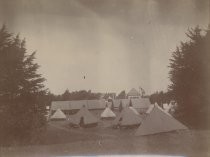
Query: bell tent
column 58, row 115
column 158, row 121
column 84, row 118
column 127, row 119
column 107, row 114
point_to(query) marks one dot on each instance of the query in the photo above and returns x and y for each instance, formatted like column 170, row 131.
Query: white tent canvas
column 133, row 92
column 152, row 107
column 108, row 113
column 84, row 118
column 58, row 115
column 158, row 121
column 127, row 118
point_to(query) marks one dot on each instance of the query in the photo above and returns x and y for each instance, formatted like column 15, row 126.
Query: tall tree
column 190, row 75
column 80, row 95
column 21, row 88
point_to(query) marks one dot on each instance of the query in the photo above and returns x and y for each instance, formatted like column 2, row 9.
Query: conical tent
column 109, row 98
column 133, row 92
column 108, row 113
column 58, row 115
column 127, row 118
column 158, row 121
column 84, row 118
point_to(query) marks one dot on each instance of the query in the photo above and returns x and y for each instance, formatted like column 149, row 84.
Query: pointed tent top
column 109, row 98
column 152, row 107
column 160, row 108
column 108, row 113
column 88, row 117
column 58, row 114
column 158, row 121
column 133, row 92
column 127, row 118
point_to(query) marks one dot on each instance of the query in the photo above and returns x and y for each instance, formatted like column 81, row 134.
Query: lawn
column 60, row 140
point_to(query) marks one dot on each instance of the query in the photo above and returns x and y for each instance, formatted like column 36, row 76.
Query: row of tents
column 74, row 105
column 156, row 120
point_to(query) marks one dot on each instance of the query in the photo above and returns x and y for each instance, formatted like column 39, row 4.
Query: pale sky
column 116, row 44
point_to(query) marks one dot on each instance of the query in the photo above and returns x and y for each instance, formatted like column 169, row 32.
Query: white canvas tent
column 127, row 118
column 109, row 98
column 84, row 118
column 58, row 115
column 108, row 113
column 158, row 121
column 133, row 92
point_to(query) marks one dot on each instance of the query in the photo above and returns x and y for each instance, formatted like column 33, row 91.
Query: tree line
column 81, row 95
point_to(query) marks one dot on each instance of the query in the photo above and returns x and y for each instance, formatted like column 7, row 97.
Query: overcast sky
column 116, row 44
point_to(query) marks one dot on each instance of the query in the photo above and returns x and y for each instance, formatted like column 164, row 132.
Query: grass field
column 60, row 140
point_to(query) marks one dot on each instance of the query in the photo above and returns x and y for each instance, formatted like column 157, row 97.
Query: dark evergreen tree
column 21, row 89
column 160, row 98
column 80, row 95
column 190, row 75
